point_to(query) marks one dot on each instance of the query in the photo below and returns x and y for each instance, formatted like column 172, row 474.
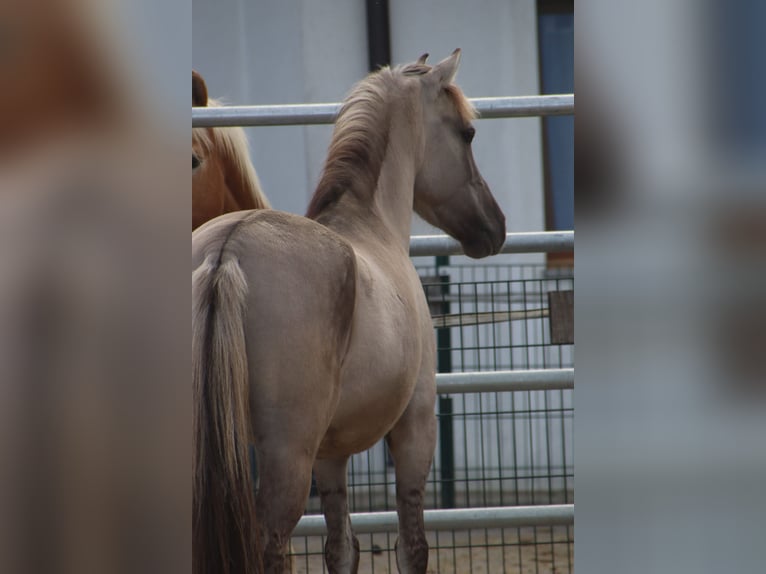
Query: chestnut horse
column 223, row 177
column 311, row 336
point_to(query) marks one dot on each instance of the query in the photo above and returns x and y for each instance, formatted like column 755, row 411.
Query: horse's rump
column 301, row 280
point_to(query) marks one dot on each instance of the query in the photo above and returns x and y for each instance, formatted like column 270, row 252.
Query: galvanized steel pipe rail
column 451, row 519
column 502, row 381
column 303, row 114
column 533, row 242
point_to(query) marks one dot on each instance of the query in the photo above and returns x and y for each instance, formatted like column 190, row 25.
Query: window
column 556, row 50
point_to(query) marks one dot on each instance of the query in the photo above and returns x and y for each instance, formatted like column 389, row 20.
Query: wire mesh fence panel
column 538, row 550
column 494, row 448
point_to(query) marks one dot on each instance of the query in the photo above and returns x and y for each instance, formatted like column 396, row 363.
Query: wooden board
column 561, row 308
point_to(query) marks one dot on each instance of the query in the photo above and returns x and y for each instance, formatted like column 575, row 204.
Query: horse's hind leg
column 342, row 548
column 412, row 442
column 284, row 484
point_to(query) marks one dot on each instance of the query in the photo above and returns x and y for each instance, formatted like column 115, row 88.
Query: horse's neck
column 238, row 197
column 382, row 215
column 382, row 218
column 394, row 194
column 242, row 191
column 395, row 189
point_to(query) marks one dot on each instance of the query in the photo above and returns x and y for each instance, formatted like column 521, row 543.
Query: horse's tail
column 224, row 534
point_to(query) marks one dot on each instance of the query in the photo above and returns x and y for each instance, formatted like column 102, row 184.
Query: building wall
column 303, row 51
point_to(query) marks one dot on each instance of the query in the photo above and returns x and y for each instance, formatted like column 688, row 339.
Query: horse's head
column 208, row 180
column 450, row 193
column 207, row 175
column 223, row 178
column 199, row 99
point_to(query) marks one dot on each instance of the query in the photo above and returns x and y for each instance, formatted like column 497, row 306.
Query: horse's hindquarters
column 301, row 283
column 298, row 312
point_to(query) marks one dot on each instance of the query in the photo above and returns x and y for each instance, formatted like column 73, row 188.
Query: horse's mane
column 231, row 142
column 360, row 137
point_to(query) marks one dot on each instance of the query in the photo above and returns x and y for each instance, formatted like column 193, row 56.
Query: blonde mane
column 359, row 141
column 231, row 143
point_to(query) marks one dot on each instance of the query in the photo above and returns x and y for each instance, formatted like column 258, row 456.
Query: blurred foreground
column 671, row 287
column 94, row 210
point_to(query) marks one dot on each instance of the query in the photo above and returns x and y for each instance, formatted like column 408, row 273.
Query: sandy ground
column 544, row 550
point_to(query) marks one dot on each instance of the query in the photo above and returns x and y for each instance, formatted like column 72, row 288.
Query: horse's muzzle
column 487, row 242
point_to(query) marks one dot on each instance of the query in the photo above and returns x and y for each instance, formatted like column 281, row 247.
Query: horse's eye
column 195, row 162
column 468, row 134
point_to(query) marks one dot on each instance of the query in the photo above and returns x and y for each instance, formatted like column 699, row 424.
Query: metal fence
column 302, row 114
column 500, row 492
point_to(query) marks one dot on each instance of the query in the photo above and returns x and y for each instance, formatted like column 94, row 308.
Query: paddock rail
column 505, row 381
column 452, row 519
column 312, row 114
column 533, row 242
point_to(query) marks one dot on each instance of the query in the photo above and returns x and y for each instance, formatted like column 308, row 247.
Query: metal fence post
column 444, row 365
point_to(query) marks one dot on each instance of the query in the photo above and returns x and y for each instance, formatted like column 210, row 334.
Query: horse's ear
column 199, row 91
column 445, row 70
column 422, row 59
